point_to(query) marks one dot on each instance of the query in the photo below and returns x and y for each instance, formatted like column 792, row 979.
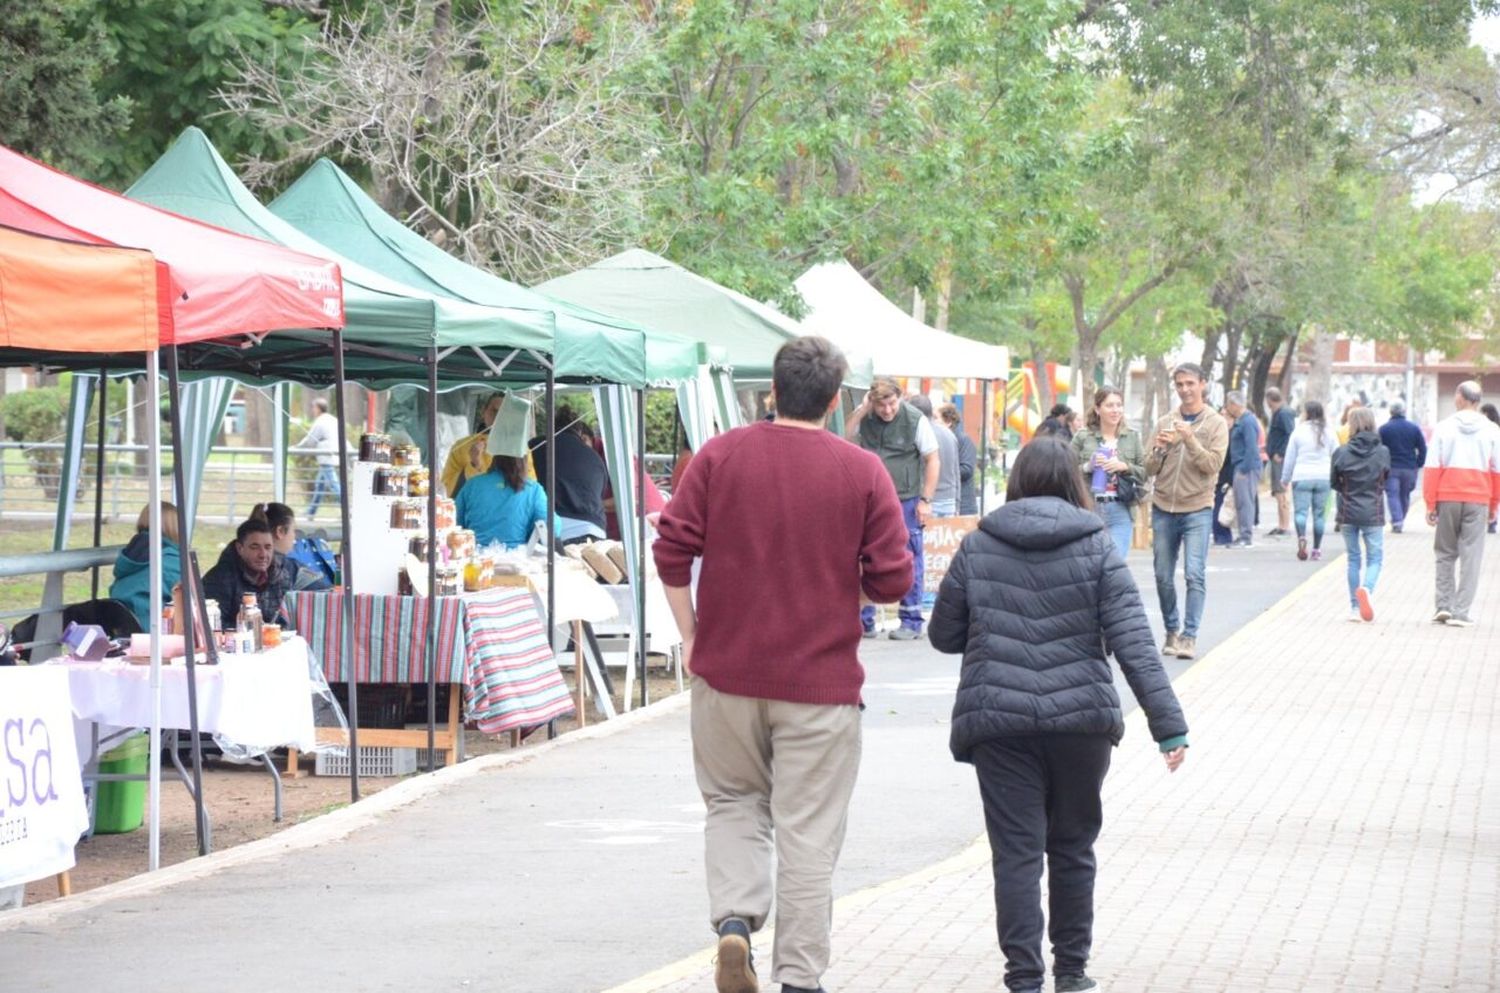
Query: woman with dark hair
column 1057, row 424
column 502, row 506
column 1308, row 466
column 1107, row 449
column 1036, row 600
column 283, row 523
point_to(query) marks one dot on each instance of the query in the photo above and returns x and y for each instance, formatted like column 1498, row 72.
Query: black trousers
column 1041, row 795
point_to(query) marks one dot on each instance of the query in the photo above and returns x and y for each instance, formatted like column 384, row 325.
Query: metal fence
column 235, row 480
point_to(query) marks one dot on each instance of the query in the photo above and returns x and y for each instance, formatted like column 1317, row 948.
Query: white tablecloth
column 42, row 812
column 259, row 701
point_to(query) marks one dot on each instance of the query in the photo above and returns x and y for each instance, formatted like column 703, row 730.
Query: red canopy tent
column 222, row 283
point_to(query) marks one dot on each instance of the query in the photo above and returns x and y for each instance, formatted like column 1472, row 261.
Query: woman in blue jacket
column 1035, row 600
column 132, row 582
column 502, row 506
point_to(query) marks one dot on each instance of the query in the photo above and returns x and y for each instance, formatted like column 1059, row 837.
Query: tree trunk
column 942, row 284
column 1043, row 381
column 1289, row 365
column 1320, row 369
column 1232, row 337
column 1157, row 400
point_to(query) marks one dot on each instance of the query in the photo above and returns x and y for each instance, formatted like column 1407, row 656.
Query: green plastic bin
column 121, row 807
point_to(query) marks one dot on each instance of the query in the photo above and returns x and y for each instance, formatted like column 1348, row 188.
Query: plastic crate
column 373, row 761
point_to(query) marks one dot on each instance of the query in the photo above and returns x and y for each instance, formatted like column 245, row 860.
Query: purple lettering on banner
column 44, row 752
column 16, row 799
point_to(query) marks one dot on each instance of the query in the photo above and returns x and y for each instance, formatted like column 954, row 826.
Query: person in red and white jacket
column 1461, row 486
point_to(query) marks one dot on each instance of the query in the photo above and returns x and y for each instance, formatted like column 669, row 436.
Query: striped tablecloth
column 492, row 642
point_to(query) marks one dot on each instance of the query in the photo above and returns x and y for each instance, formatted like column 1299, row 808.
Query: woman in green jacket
column 132, row 582
column 1107, row 449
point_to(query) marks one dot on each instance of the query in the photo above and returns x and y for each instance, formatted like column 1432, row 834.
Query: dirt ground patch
column 240, row 805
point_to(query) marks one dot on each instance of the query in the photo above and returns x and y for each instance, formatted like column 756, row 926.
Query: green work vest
column 895, row 441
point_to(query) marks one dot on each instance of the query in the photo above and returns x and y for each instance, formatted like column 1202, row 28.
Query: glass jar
column 447, row 515
column 419, row 482
column 374, row 448
column 406, row 515
column 419, row 548
column 406, row 455
column 448, row 583
column 382, row 485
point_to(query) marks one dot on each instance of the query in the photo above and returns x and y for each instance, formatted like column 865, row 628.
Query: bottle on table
column 248, row 628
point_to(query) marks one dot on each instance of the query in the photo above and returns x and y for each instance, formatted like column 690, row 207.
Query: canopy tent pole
column 640, row 546
column 153, row 496
column 74, row 445
column 552, row 512
column 984, row 437
column 99, row 475
column 435, row 474
column 279, row 396
column 187, row 621
column 346, row 637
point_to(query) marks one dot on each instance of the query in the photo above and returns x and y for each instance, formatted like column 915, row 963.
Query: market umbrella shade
column 326, row 204
column 80, row 297
column 192, row 178
column 221, row 283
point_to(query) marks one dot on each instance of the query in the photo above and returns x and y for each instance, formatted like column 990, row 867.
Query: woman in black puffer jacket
column 1357, row 475
column 1034, row 600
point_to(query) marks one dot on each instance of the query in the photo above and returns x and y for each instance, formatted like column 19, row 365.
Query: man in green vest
column 898, row 433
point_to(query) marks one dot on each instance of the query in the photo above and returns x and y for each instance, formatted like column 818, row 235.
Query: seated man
column 251, row 564
column 581, row 478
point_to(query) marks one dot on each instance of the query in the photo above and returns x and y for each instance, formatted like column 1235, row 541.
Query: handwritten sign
column 42, row 812
column 940, row 541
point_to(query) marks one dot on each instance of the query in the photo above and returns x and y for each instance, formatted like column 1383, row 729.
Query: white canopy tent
column 848, row 311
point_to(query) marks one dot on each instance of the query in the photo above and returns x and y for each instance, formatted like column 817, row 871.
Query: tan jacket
column 1185, row 472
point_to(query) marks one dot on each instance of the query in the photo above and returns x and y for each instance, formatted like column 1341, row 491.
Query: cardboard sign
column 42, row 810
column 940, row 541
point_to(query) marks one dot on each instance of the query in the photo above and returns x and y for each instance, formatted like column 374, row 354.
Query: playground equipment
column 1019, row 406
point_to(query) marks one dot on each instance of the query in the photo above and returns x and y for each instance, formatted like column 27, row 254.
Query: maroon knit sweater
column 790, row 524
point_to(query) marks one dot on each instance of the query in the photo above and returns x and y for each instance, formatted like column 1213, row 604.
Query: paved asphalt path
column 574, row 872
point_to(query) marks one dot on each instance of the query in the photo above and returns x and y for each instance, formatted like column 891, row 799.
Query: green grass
column 24, row 537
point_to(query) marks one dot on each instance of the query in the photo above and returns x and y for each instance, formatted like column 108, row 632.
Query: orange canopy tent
column 222, row 283
column 65, row 296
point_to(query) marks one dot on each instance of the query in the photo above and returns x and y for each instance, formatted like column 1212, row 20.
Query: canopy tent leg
column 984, row 438
column 99, row 475
column 187, row 621
column 435, row 473
column 346, row 638
column 552, row 513
column 640, row 545
column 153, row 496
column 279, row 395
column 74, row 445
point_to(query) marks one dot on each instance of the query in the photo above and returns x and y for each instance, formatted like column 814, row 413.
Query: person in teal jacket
column 502, row 505
column 132, row 582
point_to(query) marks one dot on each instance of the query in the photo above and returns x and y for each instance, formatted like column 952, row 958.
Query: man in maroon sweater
column 791, row 523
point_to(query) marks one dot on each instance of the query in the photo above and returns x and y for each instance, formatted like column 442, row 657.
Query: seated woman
column 502, row 506
column 132, row 582
column 283, row 522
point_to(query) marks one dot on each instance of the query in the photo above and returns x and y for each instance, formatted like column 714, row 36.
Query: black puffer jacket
column 1358, row 477
column 1034, row 599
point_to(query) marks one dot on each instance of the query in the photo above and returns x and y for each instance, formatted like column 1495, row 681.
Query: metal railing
column 234, row 481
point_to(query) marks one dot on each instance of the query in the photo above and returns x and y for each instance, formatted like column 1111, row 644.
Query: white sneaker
column 1460, row 622
column 1354, row 616
column 1442, row 616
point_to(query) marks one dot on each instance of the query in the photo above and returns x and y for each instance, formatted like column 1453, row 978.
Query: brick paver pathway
column 1335, row 827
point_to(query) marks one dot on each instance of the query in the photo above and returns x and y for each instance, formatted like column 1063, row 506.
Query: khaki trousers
column 780, row 773
column 1459, row 538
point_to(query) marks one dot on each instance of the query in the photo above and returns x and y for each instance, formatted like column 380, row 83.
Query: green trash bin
column 121, row 807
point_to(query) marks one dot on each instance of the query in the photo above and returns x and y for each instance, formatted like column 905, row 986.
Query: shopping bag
column 1227, row 511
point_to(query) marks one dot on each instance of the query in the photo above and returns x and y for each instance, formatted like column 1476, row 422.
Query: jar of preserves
column 406, row 455
column 419, row 482
column 406, row 515
column 403, row 583
column 374, row 448
column 447, row 515
column 419, row 548
column 448, row 583
column 382, row 485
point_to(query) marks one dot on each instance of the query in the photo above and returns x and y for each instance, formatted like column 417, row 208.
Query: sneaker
column 734, row 969
column 1492, row 529
column 1366, row 609
column 871, row 633
column 1242, row 543
column 1276, row 532
column 1459, row 622
column 904, row 633
column 1186, row 647
column 1169, row 647
column 789, row 988
column 1317, row 554
column 1302, row 549
column 1075, row 984
column 1354, row 616
column 1443, row 616
column 1396, row 528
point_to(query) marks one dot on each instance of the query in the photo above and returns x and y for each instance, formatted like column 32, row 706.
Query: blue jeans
column 327, row 481
column 1398, row 487
column 1188, row 533
column 1310, row 494
column 1374, row 548
column 1118, row 522
column 911, row 602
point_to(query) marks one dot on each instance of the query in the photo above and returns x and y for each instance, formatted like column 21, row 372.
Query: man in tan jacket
column 1187, row 451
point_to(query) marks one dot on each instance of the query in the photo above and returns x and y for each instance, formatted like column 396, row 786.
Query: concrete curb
column 332, row 826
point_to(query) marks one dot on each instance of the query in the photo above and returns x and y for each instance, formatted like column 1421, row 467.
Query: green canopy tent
column 327, row 205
